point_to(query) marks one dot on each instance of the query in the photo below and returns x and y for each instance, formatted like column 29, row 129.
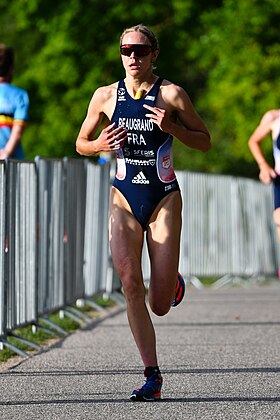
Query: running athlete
column 269, row 124
column 145, row 112
column 14, row 107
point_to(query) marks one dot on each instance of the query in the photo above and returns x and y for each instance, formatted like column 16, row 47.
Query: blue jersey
column 14, row 107
column 145, row 173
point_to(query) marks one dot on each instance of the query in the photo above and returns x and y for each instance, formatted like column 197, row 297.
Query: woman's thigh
column 163, row 238
column 126, row 239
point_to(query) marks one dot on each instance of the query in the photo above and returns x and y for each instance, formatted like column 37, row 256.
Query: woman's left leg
column 163, row 239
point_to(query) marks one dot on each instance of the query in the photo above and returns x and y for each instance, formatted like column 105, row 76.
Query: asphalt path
column 219, row 352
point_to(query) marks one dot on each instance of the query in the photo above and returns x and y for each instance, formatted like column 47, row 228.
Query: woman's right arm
column 110, row 138
column 260, row 133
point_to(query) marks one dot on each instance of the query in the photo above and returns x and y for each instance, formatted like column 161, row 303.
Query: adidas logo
column 140, row 179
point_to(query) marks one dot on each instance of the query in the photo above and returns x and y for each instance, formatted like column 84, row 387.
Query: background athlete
column 269, row 124
column 14, row 108
column 144, row 113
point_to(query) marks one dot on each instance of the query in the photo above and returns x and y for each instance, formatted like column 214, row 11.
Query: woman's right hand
column 111, row 139
column 267, row 174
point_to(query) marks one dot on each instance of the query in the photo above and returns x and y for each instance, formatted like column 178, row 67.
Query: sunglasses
column 140, row 50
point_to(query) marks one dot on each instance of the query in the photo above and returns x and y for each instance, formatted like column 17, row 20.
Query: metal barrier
column 74, row 215
column 50, row 235
column 21, row 255
column 3, row 248
column 96, row 250
column 20, row 299
column 44, row 265
column 227, row 227
column 54, row 235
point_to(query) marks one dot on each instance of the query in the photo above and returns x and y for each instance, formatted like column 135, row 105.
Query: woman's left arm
column 192, row 131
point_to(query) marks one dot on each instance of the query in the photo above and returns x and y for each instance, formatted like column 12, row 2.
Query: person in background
column 144, row 113
column 14, row 108
column 104, row 157
column 269, row 124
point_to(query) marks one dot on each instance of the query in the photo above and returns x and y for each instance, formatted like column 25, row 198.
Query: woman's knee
column 159, row 307
column 133, row 286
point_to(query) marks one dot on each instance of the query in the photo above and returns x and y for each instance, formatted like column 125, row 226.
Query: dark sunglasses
column 140, row 50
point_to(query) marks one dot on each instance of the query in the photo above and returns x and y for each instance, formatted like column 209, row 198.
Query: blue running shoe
column 150, row 391
column 179, row 291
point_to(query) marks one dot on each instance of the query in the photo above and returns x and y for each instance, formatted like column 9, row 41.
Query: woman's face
column 135, row 62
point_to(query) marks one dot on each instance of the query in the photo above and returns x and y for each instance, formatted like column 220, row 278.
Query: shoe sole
column 135, row 397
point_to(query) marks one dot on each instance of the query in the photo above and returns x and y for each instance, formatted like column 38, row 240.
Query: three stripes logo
column 140, row 179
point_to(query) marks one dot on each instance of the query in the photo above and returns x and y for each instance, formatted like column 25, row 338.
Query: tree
column 242, row 59
column 224, row 53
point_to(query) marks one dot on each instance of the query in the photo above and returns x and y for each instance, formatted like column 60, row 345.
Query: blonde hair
column 146, row 32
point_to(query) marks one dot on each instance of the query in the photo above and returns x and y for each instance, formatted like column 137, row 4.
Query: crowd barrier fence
column 54, row 235
column 53, row 224
column 227, row 228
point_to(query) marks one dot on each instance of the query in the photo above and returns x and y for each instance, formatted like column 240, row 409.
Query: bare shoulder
column 270, row 116
column 106, row 93
column 171, row 90
column 174, row 95
column 104, row 99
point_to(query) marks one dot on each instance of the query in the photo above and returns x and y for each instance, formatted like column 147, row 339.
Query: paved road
column 219, row 352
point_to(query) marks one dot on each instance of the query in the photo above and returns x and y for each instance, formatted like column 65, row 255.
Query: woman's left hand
column 160, row 117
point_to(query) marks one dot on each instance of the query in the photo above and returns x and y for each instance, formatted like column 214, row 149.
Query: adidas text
column 140, row 179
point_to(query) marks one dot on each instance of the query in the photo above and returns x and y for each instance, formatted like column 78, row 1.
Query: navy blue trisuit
column 145, row 173
column 276, row 154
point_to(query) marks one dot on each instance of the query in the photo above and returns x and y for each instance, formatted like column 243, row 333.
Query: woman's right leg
column 126, row 241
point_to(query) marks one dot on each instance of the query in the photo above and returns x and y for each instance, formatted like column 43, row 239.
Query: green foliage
column 242, row 60
column 225, row 54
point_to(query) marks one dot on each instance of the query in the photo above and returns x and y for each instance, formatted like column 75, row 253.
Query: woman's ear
column 155, row 56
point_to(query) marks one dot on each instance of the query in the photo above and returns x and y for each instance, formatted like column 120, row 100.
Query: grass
column 237, row 281
column 208, row 281
column 41, row 337
column 262, row 280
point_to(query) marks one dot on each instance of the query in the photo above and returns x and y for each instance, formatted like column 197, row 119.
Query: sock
column 151, row 370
